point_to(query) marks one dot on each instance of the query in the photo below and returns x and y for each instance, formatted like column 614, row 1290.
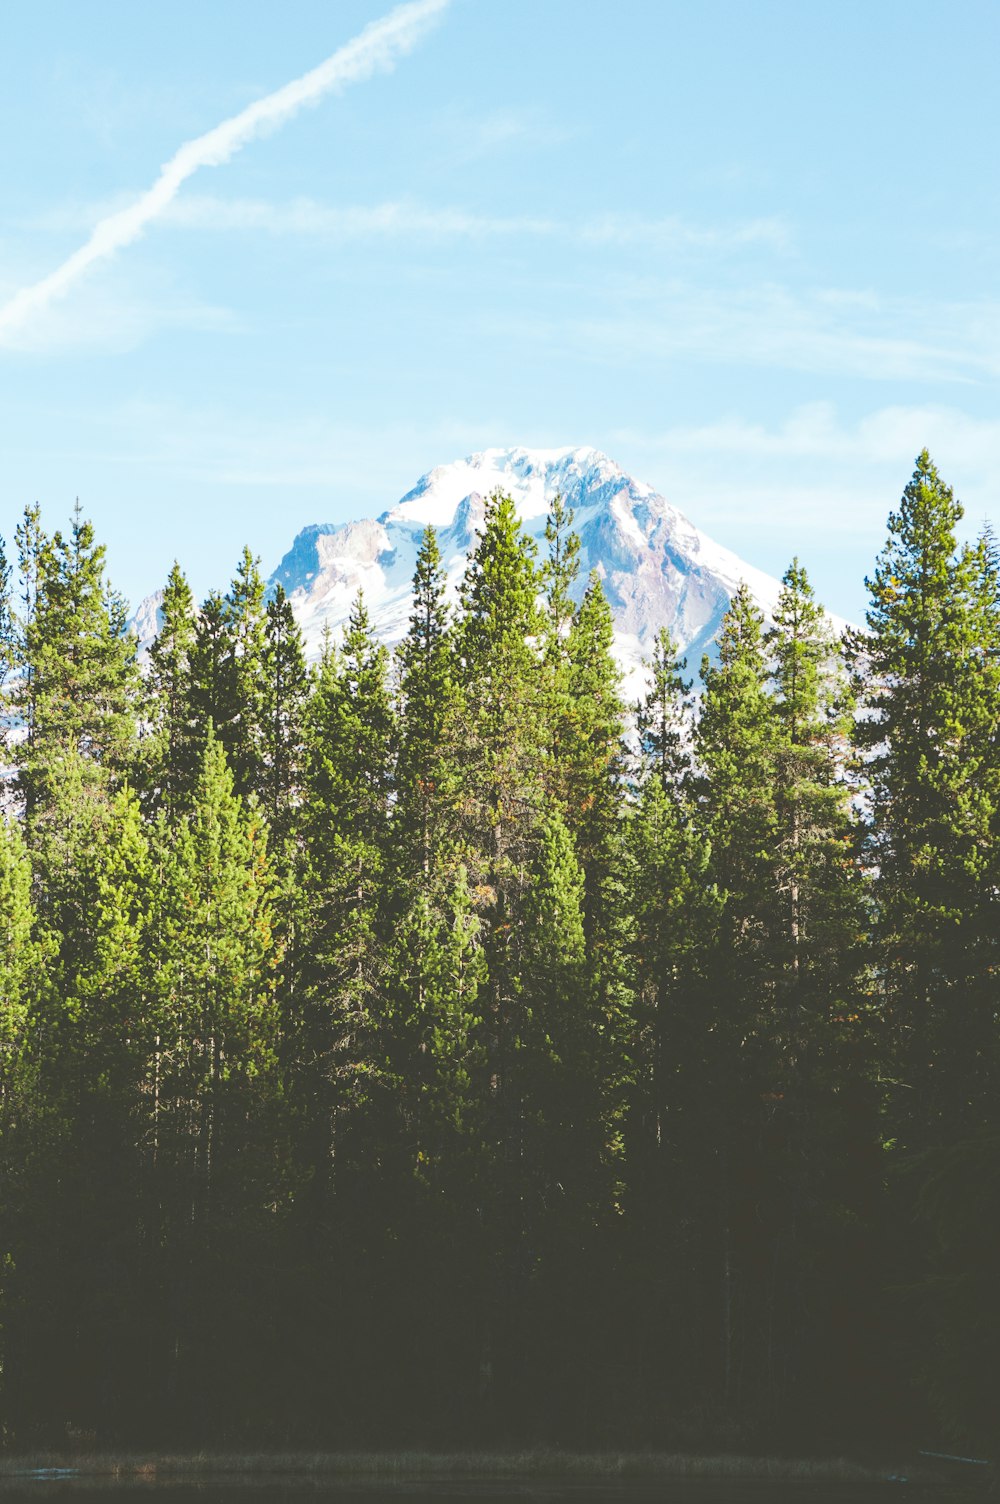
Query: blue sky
column 749, row 250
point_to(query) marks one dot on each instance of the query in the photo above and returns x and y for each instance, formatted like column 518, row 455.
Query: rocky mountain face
column 656, row 567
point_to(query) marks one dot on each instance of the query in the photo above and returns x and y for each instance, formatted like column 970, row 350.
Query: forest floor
column 565, row 1466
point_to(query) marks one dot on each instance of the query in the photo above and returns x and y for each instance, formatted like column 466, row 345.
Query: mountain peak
column 532, row 477
column 657, row 568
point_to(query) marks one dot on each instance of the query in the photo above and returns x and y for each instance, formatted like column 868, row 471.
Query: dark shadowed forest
column 431, row 1048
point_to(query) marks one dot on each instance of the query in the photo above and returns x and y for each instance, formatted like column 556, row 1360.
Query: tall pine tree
column 172, row 751
column 934, row 681
column 428, row 702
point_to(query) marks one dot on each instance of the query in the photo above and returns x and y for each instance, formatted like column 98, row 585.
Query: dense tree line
column 430, row 1047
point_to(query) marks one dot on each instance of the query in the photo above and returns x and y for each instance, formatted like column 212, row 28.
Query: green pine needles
column 429, row 1047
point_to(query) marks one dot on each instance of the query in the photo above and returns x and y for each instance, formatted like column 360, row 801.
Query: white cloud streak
column 406, row 217
column 304, row 216
column 814, row 431
column 816, row 476
column 373, row 50
column 673, row 233
column 308, row 217
column 771, row 326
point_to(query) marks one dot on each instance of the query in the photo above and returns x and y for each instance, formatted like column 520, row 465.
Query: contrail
column 375, row 48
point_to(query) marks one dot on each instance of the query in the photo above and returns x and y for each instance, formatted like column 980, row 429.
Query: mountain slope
column 656, row 567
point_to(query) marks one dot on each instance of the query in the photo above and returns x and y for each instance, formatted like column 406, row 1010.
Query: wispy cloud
column 304, row 216
column 310, row 217
column 772, row 326
column 814, row 431
column 499, row 128
column 818, row 481
column 375, row 49
column 672, row 232
column 475, row 134
column 816, row 475
column 119, row 315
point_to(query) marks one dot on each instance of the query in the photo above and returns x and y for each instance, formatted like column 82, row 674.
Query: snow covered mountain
column 656, row 567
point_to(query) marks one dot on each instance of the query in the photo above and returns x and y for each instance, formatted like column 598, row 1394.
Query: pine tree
column 588, row 761
column 111, row 981
column 558, row 1191
column 435, row 975
column 674, row 909
column 228, row 674
column 560, row 569
column 500, row 618
column 350, row 745
column 215, row 960
column 671, row 900
column 736, row 744
column 502, row 729
column 673, row 906
column 547, row 1181
column 934, row 686
column 500, row 734
column 80, row 1211
column 213, row 670
column 558, row 575
column 672, row 918
column 980, row 814
column 246, row 619
column 803, row 652
column 32, row 543
column 21, row 982
column 428, row 702
column 501, row 725
column 173, row 754
column 665, row 714
column 815, row 827
column 818, row 1164
column 567, row 1131
column 587, row 743
column 19, row 957
column 61, row 831
column 285, row 692
column 736, row 739
column 220, row 1159
column 929, row 674
column 107, row 1115
column 8, row 630
column 80, row 689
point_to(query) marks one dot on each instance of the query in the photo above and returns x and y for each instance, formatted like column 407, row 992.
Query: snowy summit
column 656, row 567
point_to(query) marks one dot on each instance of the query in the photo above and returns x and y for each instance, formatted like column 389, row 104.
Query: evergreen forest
column 431, row 1048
